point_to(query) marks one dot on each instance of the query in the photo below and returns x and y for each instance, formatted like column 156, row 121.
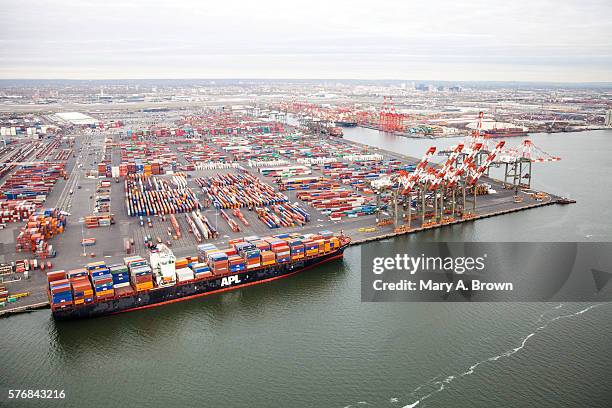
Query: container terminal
column 88, row 189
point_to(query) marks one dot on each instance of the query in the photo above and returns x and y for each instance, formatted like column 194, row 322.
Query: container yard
column 106, row 195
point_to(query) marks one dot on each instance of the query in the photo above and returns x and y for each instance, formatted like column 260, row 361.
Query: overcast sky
column 519, row 40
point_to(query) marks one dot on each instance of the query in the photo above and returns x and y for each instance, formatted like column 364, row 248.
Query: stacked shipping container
column 42, row 226
column 153, row 196
column 97, row 281
column 239, row 190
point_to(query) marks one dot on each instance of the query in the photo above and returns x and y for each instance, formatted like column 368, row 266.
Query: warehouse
column 75, row 118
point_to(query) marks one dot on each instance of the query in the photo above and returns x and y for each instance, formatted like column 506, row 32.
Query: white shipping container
column 184, row 274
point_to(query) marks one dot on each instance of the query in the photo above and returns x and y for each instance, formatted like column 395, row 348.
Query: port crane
column 475, row 140
column 434, row 181
column 437, row 194
column 448, row 189
column 389, row 119
column 517, row 162
column 448, row 194
column 474, row 174
column 408, row 181
column 401, row 184
column 477, row 135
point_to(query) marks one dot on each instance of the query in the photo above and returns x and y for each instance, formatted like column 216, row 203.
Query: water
column 308, row 341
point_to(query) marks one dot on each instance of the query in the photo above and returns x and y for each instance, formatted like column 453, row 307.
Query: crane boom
column 436, row 177
column 476, row 173
column 467, row 162
column 408, row 181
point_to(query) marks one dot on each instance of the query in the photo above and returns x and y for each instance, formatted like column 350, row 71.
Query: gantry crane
column 474, row 174
column 400, row 185
column 437, row 193
column 517, row 162
column 440, row 193
column 389, row 119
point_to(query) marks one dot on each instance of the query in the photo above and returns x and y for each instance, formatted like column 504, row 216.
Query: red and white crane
column 535, row 154
column 475, row 173
column 464, row 167
column 408, row 181
column 477, row 135
column 435, row 177
column 528, row 151
column 403, row 178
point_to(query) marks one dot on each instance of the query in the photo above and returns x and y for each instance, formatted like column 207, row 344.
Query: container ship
column 99, row 289
column 346, row 123
column 335, row 131
column 499, row 129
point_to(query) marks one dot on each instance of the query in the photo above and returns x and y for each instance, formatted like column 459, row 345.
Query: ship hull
column 502, row 133
column 190, row 290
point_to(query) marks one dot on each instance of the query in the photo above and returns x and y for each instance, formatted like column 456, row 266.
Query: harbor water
column 308, row 340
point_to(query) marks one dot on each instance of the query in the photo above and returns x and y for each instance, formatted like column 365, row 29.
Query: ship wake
column 439, row 385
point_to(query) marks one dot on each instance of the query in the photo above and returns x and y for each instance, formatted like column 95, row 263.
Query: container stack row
column 141, row 274
column 121, row 275
column 239, row 190
column 339, row 203
column 201, row 154
column 142, row 201
column 82, row 290
column 101, row 279
column 199, row 269
column 307, row 183
column 32, row 181
column 16, row 210
column 284, row 171
column 61, row 292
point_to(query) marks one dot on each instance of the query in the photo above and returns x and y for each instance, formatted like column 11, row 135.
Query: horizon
column 396, row 81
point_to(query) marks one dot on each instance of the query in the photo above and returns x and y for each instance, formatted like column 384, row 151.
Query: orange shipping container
column 267, row 255
column 181, row 263
column 144, row 286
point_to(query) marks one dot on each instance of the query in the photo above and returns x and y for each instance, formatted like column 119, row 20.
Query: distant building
column 456, row 88
column 135, row 98
column 75, row 118
column 609, row 118
column 424, row 87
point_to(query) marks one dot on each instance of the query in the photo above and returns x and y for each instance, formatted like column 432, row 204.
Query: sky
column 453, row 40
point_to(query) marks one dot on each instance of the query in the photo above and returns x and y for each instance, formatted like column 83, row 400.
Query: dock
column 77, row 195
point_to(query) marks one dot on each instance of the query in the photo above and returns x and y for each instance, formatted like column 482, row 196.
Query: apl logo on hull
column 228, row 280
